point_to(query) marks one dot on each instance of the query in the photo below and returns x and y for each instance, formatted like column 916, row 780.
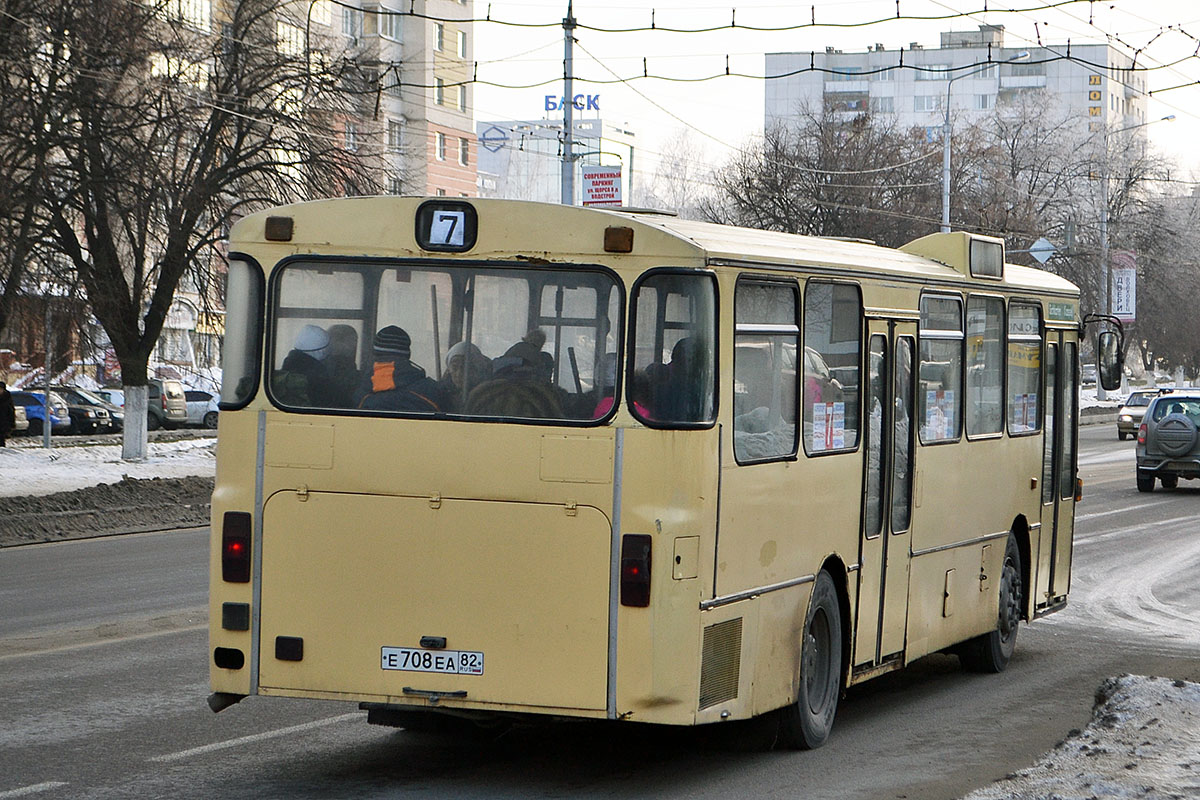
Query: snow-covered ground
column 27, row 468
column 1143, row 741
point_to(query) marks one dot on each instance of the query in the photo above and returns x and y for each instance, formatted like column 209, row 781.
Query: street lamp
column 1106, row 276
column 1021, row 56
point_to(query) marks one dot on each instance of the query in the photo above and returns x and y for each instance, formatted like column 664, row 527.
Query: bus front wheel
column 992, row 651
column 806, row 723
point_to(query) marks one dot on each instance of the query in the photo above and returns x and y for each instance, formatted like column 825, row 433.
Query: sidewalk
column 26, row 468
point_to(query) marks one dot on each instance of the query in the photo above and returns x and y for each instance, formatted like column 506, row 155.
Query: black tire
column 35, row 427
column 1145, row 483
column 806, row 723
column 1169, row 481
column 992, row 651
column 153, row 423
column 210, row 420
column 1121, row 435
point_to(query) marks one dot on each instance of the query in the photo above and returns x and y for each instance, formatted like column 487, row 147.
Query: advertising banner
column 1124, row 285
column 601, row 186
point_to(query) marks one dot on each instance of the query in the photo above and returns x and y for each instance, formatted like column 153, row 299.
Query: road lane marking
column 10, row 649
column 1121, row 510
column 256, row 737
column 25, row 791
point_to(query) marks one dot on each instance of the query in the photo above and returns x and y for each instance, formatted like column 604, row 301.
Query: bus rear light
column 1078, row 489
column 635, row 570
column 235, row 547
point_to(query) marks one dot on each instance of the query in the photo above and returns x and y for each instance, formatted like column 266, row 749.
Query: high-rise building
column 419, row 55
column 910, row 85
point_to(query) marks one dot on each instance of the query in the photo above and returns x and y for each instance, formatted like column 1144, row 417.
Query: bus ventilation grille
column 721, row 662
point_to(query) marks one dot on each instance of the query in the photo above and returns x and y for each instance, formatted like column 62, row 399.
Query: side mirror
column 1110, row 360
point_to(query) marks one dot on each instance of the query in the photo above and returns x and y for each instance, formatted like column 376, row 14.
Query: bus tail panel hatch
column 365, row 579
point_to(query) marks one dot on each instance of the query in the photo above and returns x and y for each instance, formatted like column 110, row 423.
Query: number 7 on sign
column 446, row 228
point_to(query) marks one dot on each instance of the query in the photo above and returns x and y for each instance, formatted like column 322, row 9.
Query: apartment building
column 420, row 54
column 911, row 85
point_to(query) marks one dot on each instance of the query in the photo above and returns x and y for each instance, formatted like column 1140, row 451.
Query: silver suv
column 1168, row 447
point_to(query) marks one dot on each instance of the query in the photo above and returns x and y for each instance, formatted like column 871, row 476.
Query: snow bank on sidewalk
column 1143, row 741
column 36, row 471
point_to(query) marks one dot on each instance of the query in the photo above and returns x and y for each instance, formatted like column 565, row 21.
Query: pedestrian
column 8, row 413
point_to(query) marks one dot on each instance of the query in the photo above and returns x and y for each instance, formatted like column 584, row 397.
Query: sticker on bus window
column 829, row 426
column 940, row 420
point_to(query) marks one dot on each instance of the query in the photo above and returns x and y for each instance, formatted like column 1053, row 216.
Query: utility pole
column 1101, row 394
column 568, row 156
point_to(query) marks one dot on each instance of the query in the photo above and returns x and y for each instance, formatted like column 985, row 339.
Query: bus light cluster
column 635, row 570
column 235, row 547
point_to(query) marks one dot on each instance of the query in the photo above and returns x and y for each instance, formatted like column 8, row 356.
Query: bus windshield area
column 488, row 341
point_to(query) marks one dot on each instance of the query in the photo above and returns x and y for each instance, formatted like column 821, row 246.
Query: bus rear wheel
column 992, row 651
column 806, row 723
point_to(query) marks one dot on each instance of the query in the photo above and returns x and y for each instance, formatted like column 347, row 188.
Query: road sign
column 1042, row 249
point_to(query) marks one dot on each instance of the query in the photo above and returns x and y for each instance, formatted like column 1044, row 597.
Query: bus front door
column 884, row 549
column 1058, row 473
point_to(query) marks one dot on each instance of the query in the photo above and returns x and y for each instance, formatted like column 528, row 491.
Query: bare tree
column 682, row 178
column 177, row 126
column 832, row 177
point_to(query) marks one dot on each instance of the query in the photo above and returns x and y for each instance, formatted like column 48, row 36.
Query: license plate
column 454, row 662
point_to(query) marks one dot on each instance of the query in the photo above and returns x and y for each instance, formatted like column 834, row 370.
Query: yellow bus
column 491, row 458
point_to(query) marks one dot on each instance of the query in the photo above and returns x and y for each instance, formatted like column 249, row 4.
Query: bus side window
column 764, row 369
column 831, row 355
column 939, row 395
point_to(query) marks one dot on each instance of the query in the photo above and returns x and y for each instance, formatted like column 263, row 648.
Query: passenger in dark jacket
column 303, row 379
column 394, row 383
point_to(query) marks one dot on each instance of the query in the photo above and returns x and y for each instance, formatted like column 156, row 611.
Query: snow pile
column 1143, row 741
column 30, row 470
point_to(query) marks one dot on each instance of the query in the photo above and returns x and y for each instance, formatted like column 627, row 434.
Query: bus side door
column 885, row 548
column 1058, row 471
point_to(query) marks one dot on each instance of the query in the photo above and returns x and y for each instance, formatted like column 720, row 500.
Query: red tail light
column 235, row 547
column 635, row 570
column 1142, row 434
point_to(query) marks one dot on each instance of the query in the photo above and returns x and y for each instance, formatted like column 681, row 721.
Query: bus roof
column 555, row 232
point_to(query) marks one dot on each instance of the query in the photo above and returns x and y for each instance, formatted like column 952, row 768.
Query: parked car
column 113, row 396
column 1168, row 447
column 88, row 410
column 166, row 405
column 1087, row 374
column 1129, row 415
column 202, row 408
column 35, row 411
column 21, row 423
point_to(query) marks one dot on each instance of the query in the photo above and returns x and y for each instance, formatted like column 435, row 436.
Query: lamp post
column 1105, row 273
column 1021, row 56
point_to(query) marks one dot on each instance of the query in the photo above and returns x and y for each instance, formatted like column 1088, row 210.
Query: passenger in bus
column 342, row 363
column 606, row 384
column 466, row 368
column 521, row 386
column 394, row 383
column 303, row 378
column 683, row 397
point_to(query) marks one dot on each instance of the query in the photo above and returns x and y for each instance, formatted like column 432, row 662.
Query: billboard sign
column 1124, row 285
column 601, row 185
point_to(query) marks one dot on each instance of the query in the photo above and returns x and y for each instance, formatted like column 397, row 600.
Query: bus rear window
column 673, row 380
column 239, row 354
column 485, row 341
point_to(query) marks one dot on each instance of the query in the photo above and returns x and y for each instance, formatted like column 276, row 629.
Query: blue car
column 35, row 411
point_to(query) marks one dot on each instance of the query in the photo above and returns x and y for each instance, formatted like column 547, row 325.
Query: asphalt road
column 103, row 679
